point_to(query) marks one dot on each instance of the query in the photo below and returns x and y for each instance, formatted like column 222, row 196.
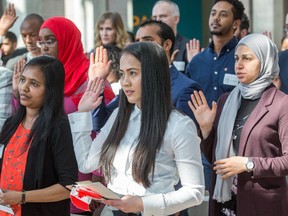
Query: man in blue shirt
column 214, row 67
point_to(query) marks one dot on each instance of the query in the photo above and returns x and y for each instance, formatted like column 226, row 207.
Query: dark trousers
column 120, row 213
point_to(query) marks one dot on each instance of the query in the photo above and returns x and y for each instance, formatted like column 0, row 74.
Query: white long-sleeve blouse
column 179, row 156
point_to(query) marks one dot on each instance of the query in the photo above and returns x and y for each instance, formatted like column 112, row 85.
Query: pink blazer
column 265, row 138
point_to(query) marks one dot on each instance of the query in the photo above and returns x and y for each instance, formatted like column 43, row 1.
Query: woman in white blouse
column 146, row 145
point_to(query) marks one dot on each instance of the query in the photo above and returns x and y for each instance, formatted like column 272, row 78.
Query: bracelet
column 23, row 197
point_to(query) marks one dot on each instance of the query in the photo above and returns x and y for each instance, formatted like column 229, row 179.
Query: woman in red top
column 37, row 156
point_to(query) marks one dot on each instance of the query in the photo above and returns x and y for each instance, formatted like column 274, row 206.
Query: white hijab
column 266, row 51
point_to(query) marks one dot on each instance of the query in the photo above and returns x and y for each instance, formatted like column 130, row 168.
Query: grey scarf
column 266, row 51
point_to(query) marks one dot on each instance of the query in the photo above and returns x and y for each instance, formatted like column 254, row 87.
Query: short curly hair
column 114, row 54
column 238, row 8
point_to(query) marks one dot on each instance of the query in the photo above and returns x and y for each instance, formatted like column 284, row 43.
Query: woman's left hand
column 230, row 166
column 10, row 197
column 127, row 204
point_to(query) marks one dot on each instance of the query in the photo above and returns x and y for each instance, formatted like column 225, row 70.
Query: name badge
column 230, row 79
column 180, row 65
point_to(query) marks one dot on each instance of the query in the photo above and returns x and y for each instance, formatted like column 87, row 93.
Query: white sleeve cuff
column 153, row 205
column 80, row 121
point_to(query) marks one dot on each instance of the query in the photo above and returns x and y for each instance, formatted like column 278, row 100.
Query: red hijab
column 70, row 53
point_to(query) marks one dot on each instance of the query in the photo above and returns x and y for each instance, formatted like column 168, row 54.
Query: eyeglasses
column 48, row 43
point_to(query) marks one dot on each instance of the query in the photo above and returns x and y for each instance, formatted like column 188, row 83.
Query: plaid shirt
column 6, row 95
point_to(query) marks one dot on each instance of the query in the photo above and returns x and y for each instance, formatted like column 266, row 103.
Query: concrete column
column 125, row 9
column 206, row 9
column 85, row 13
column 81, row 12
column 268, row 16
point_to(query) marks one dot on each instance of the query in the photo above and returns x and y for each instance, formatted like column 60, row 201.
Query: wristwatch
column 250, row 164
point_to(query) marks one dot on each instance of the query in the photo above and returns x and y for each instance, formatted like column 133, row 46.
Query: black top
column 245, row 109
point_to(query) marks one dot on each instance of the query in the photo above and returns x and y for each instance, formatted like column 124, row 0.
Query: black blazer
column 49, row 163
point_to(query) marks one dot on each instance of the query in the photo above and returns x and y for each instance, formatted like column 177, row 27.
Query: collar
column 173, row 71
column 136, row 112
column 227, row 47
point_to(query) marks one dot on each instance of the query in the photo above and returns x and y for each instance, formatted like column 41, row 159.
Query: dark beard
column 216, row 33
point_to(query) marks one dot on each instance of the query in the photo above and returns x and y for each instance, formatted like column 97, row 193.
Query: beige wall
column 268, row 15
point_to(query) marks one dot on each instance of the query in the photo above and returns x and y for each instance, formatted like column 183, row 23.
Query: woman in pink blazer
column 245, row 136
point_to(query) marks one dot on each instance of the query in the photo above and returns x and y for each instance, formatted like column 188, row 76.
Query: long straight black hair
column 155, row 108
column 52, row 108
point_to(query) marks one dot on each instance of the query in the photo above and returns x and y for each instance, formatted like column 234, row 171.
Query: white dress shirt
column 178, row 156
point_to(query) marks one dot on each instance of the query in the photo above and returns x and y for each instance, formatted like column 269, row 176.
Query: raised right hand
column 202, row 112
column 90, row 99
column 8, row 19
column 99, row 64
column 193, row 48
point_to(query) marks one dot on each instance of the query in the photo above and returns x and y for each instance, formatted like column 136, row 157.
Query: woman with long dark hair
column 38, row 160
column 146, row 145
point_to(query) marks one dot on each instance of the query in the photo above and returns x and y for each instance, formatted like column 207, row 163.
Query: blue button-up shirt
column 209, row 70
